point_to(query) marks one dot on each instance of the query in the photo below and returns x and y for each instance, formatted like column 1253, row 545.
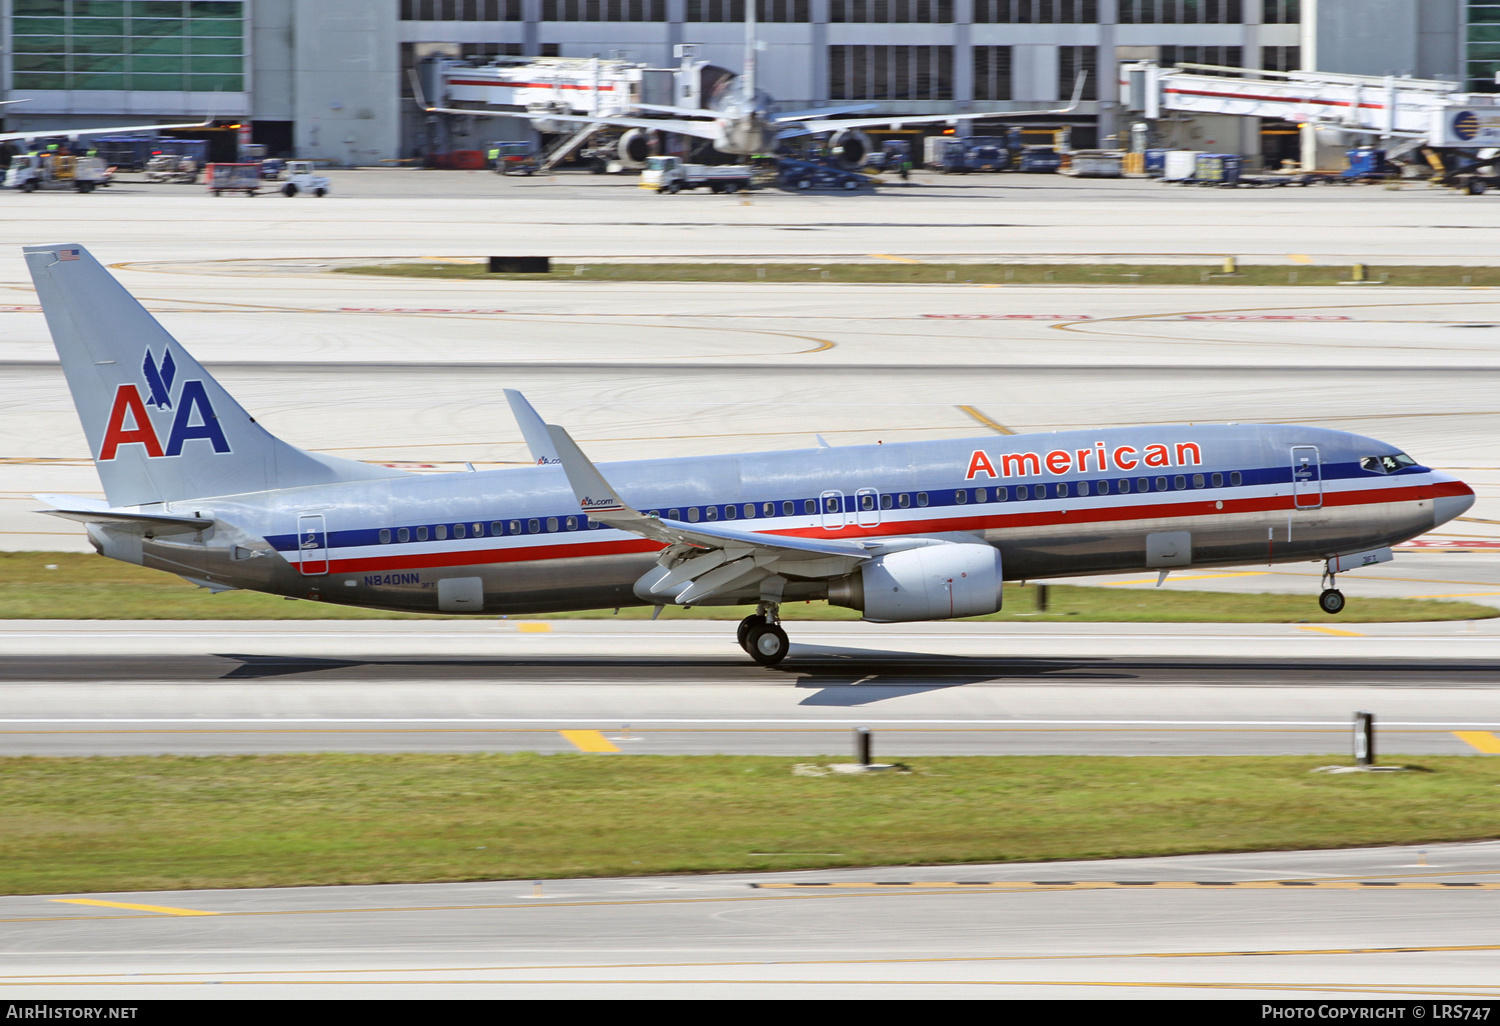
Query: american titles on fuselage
column 1076, row 461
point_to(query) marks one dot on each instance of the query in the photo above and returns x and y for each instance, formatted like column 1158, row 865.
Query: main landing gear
column 1332, row 600
column 761, row 636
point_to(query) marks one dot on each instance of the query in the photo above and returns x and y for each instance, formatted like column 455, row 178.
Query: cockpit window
column 1387, row 464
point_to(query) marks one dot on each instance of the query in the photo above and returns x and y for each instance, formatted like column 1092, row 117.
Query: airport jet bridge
column 1401, row 114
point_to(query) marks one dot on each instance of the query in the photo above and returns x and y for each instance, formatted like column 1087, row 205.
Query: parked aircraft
column 741, row 122
column 903, row 532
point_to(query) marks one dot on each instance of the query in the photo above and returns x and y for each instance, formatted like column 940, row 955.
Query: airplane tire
column 748, row 624
column 320, row 192
column 289, row 190
column 1331, row 601
column 1476, row 187
column 768, row 644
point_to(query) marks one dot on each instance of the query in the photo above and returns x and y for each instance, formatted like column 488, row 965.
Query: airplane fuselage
column 1059, row 504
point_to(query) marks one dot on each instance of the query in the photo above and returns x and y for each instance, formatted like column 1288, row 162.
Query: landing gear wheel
column 747, row 625
column 1331, row 601
column 1476, row 186
column 768, row 644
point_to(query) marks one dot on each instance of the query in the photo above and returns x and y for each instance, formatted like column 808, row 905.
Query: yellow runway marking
column 897, row 259
column 588, row 740
column 1329, row 630
column 165, row 910
column 1299, row 258
column 1483, row 740
column 533, row 628
column 993, row 425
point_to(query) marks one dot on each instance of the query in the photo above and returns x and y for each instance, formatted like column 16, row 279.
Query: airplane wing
column 823, row 125
column 73, row 133
column 701, row 129
column 533, row 428
column 822, row 112
column 703, row 560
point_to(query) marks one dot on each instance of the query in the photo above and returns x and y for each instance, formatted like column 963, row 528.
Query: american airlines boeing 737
column 902, row 532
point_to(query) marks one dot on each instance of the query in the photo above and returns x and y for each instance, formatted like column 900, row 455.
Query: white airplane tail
column 159, row 427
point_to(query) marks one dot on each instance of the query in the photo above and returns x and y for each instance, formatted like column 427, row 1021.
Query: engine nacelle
column 633, row 148
column 851, row 148
column 932, row 582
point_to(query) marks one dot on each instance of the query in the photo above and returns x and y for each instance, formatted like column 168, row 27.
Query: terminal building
column 330, row 79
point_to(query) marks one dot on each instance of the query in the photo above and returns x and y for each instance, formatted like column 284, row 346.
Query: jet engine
column 932, row 582
column 850, row 147
column 537, row 114
column 633, row 148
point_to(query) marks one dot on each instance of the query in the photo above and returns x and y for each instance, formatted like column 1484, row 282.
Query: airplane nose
column 1446, row 507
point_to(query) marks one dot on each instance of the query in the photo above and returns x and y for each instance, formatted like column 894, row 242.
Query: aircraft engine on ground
column 931, row 582
column 850, row 148
column 634, row 147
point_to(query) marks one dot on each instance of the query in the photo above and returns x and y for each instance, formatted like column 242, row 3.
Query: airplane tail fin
column 159, row 427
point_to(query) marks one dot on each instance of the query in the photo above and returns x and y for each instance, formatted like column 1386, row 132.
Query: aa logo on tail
column 192, row 414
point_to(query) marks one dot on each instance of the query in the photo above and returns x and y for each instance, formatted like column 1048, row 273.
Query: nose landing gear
column 1332, row 600
column 761, row 636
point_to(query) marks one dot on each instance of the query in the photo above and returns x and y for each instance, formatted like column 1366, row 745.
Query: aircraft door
column 312, row 544
column 1307, row 478
column 867, row 507
column 832, row 506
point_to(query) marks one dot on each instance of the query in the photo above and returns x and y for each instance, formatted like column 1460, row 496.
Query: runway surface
column 683, row 688
column 1381, row 924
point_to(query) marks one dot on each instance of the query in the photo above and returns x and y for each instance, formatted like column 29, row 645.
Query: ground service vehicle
column 299, row 176
column 903, row 532
column 224, row 178
column 515, row 158
column 812, row 174
column 169, row 167
column 32, row 171
column 957, row 155
column 670, row 174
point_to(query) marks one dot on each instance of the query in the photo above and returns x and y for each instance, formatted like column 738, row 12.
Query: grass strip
column 960, row 274
column 88, row 587
column 146, row 823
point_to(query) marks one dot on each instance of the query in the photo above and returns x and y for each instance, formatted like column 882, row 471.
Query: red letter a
column 979, row 463
column 128, row 399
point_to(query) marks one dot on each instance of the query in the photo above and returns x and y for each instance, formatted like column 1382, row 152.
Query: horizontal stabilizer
column 92, row 511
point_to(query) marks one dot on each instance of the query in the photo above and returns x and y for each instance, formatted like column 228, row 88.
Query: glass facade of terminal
column 1482, row 47
column 148, row 45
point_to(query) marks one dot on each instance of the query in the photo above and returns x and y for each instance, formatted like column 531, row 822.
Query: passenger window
column 886, row 502
column 460, row 530
column 385, row 536
column 831, row 504
column 921, row 498
column 1143, row 484
column 867, row 501
column 809, row 506
column 788, row 508
column 440, row 531
column 692, row 514
column 515, row 527
column 981, row 495
column 729, row 512
column 1161, row 484
column 571, row 523
column 1002, row 494
column 421, row 534
column 904, row 501
column 551, row 524
column 1124, row 485
column 1218, row 480
column 1083, row 487
column 402, row 534
column 1197, row 480
column 479, row 531
column 961, row 496
column 767, row 509
column 1235, row 479
column 1179, row 482
column 534, row 526
column 594, row 525
column 1022, row 492
column 674, row 514
column 1062, row 490
column 1103, row 487
column 712, row 512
